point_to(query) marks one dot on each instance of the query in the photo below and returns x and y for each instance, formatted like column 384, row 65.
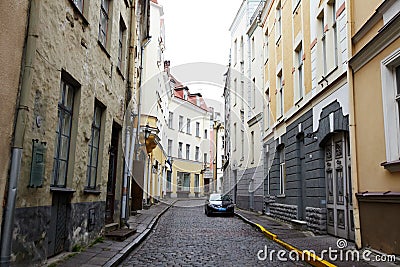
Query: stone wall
column 316, row 219
column 283, row 212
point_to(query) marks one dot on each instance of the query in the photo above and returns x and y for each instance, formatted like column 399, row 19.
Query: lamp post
column 146, row 137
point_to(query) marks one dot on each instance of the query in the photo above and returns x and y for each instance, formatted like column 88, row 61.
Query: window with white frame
column 205, row 134
column 235, row 49
column 205, row 158
column 103, row 23
column 242, row 94
column 181, row 123
column 278, row 18
column 235, row 91
column 279, row 86
column 169, row 147
column 254, row 92
column 253, row 48
column 234, row 136
column 187, row 151
column 323, row 43
column 197, row 153
column 242, row 143
column 241, row 49
column 334, row 28
column 170, row 119
column 266, row 46
column 198, row 129
column 180, row 147
column 299, row 73
column 188, row 126
column 267, row 109
column 196, row 183
column 390, row 71
column 185, row 94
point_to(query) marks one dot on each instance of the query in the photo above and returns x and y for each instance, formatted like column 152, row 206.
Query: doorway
column 112, row 174
column 338, row 186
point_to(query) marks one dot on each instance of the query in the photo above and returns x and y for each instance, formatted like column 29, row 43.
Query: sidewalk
column 110, row 253
column 292, row 239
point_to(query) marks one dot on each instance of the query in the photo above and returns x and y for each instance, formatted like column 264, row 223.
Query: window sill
column 281, row 196
column 393, row 166
column 104, row 49
column 62, row 189
column 120, row 73
column 84, row 20
column 91, row 191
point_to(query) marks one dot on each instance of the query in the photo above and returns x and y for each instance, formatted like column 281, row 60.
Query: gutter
column 19, row 133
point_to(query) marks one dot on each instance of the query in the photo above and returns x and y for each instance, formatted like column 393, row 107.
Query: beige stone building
column 83, row 65
column 375, row 96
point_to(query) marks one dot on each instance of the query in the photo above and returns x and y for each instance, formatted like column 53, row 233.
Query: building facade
column 374, row 95
column 74, row 98
column 243, row 171
column 306, row 133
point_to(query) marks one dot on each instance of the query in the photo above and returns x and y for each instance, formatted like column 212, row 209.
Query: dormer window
column 198, row 101
column 185, row 94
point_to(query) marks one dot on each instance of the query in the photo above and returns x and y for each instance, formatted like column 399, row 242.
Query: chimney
column 167, row 63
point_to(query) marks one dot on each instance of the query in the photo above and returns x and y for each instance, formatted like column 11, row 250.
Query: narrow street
column 184, row 235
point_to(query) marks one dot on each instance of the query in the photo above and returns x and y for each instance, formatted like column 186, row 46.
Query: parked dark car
column 219, row 204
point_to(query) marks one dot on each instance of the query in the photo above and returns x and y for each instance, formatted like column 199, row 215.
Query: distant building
column 188, row 141
column 375, row 128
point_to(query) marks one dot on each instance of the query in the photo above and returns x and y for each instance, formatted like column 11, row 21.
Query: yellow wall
column 187, row 166
column 370, row 136
column 361, row 11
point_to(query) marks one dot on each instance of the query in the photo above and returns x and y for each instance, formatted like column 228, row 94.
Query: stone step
column 120, row 234
column 111, row 227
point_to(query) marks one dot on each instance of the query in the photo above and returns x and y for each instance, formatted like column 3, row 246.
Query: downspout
column 129, row 138
column 19, row 133
column 352, row 128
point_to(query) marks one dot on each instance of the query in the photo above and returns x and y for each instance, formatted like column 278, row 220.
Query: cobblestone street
column 185, row 236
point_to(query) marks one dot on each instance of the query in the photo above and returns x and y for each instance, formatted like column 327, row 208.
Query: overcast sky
column 198, row 31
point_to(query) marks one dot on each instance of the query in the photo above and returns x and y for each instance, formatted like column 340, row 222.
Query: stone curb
column 309, row 257
column 119, row 257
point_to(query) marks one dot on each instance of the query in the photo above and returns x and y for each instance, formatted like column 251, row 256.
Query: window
column 241, row 49
column 198, row 129
column 390, row 72
column 278, row 21
column 181, row 123
column 180, row 147
column 79, row 4
column 235, row 47
column 242, row 116
column 170, row 119
column 205, row 158
column 252, row 147
column 266, row 46
column 242, row 94
column 282, row 171
column 223, row 142
column 300, row 72
column 334, row 28
column 94, row 144
column 183, row 181
column 279, row 86
column 63, row 133
column 188, row 126
column 185, row 94
column 267, row 111
column 169, row 181
column 196, row 183
column 323, row 42
column 205, row 134
column 187, row 151
column 235, row 91
column 254, row 92
column 197, row 152
column 253, row 49
column 103, row 24
column 242, row 143
column 169, row 147
column 121, row 42
column 234, row 136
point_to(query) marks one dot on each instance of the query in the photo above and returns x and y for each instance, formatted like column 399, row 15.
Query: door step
column 120, row 234
column 111, row 227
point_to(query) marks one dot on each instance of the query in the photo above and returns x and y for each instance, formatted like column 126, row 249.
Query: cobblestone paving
column 185, row 236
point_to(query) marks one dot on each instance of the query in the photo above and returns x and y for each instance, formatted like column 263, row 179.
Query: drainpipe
column 352, row 126
column 19, row 133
